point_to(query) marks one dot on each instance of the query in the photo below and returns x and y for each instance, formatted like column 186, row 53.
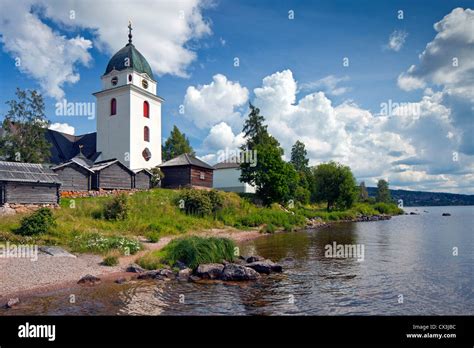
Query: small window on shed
column 202, row 175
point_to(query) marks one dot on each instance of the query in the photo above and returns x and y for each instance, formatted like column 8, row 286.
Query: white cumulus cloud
column 328, row 84
column 40, row 52
column 447, row 62
column 62, row 127
column 206, row 105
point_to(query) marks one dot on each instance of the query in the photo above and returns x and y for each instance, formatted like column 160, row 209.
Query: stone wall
column 96, row 193
column 14, row 208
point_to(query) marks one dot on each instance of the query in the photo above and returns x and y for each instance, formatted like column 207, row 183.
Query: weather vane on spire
column 129, row 31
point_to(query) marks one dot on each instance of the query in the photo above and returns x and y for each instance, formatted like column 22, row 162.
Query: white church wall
column 137, row 124
column 113, row 132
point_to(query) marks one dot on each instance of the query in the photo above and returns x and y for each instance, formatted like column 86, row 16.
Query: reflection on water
column 408, row 255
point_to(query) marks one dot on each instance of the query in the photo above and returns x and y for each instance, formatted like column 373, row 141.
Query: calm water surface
column 409, row 255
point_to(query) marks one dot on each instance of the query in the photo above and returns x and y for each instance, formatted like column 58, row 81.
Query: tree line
column 279, row 181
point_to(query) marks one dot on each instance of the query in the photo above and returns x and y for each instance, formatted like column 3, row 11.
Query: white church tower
column 128, row 111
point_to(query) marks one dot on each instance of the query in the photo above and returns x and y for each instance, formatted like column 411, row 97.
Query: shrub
column 97, row 214
column 217, row 201
column 302, row 195
column 200, row 202
column 153, row 237
column 154, row 227
column 196, row 202
column 117, row 208
column 388, row 208
column 194, row 250
column 269, row 228
column 39, row 222
column 110, row 260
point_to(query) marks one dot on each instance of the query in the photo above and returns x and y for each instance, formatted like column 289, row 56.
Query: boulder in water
column 210, row 270
column 265, row 266
column 234, row 271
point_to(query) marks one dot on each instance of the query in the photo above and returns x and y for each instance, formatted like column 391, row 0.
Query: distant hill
column 422, row 198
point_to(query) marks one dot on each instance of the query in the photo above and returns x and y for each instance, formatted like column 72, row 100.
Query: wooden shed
column 143, row 179
column 28, row 183
column 75, row 174
column 186, row 171
column 112, row 174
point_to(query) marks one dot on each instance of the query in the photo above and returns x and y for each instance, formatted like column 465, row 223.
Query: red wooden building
column 186, row 171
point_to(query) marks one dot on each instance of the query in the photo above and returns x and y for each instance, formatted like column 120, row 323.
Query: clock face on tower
column 145, row 84
column 114, row 80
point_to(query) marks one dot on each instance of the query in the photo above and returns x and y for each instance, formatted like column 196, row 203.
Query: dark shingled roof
column 27, row 172
column 186, row 160
column 98, row 166
column 226, row 165
column 80, row 160
column 65, row 147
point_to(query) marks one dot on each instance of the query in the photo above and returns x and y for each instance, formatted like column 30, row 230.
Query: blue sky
column 302, row 61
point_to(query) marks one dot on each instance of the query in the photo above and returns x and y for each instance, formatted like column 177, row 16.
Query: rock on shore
column 210, row 270
column 233, row 271
column 89, row 280
column 265, row 266
column 244, row 268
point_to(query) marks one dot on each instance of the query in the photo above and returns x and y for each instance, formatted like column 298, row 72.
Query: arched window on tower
column 146, row 133
column 113, row 107
column 146, row 109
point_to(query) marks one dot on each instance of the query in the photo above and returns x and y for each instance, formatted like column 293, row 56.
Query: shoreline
column 85, row 264
column 112, row 273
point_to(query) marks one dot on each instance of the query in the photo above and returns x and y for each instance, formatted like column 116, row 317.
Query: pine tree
column 298, row 156
column 383, row 192
column 363, row 194
column 274, row 179
column 254, row 128
column 24, row 128
column 176, row 144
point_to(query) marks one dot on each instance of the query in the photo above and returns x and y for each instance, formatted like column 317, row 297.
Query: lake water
column 408, row 269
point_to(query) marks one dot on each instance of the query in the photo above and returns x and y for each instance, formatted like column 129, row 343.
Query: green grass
column 366, row 209
column 81, row 226
column 110, row 260
column 192, row 250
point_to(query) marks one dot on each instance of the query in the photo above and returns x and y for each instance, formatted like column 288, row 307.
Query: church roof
column 136, row 61
column 186, row 160
column 64, row 146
